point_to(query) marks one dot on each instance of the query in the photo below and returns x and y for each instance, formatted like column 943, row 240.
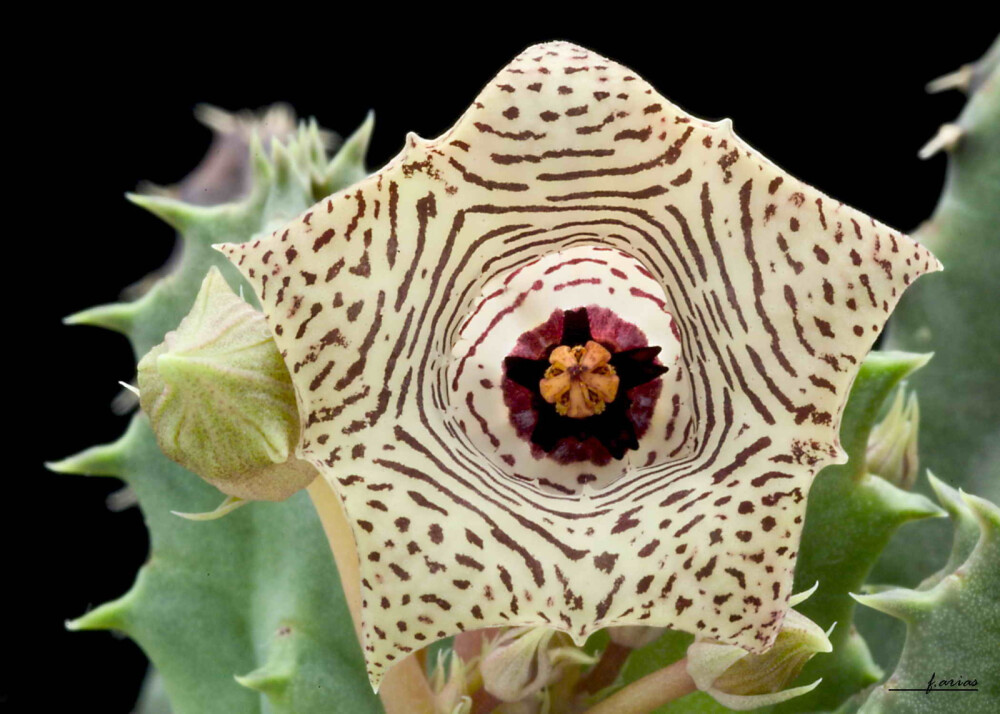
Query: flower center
column 590, row 384
column 580, row 381
column 569, row 323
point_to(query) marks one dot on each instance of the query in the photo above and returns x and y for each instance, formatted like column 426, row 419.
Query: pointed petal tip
column 375, row 680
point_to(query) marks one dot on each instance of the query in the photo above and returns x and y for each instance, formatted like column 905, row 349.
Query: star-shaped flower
column 570, row 183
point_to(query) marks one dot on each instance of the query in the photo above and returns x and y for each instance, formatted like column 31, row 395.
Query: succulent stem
column 652, row 691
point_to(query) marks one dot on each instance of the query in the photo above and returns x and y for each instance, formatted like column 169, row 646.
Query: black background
column 837, row 100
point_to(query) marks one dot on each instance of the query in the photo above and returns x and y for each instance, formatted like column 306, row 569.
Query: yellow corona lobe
column 580, row 381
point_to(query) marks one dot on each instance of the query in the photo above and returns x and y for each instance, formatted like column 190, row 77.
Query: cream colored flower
column 417, row 313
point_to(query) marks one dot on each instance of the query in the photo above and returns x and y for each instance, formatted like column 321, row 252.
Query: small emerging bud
column 892, row 445
column 525, row 660
column 741, row 681
column 221, row 401
column 451, row 680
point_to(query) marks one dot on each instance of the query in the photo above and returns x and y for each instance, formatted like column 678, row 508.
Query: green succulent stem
column 244, row 613
column 952, row 622
column 959, row 390
column 864, row 511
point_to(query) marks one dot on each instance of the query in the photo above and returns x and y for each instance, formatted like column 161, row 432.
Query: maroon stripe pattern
column 571, row 182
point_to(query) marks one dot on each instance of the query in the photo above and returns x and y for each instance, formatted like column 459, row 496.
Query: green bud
column 741, row 681
column 892, row 445
column 221, row 401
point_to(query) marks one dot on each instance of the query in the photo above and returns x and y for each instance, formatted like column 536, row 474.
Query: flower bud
column 221, row 401
column 741, row 681
column 892, row 444
column 524, row 660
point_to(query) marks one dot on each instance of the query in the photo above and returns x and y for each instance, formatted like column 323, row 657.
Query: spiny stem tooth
column 947, row 138
column 124, row 402
column 960, row 79
column 129, row 387
column 230, row 504
column 122, row 500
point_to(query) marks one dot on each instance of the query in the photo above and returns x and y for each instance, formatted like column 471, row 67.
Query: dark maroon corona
column 599, row 438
